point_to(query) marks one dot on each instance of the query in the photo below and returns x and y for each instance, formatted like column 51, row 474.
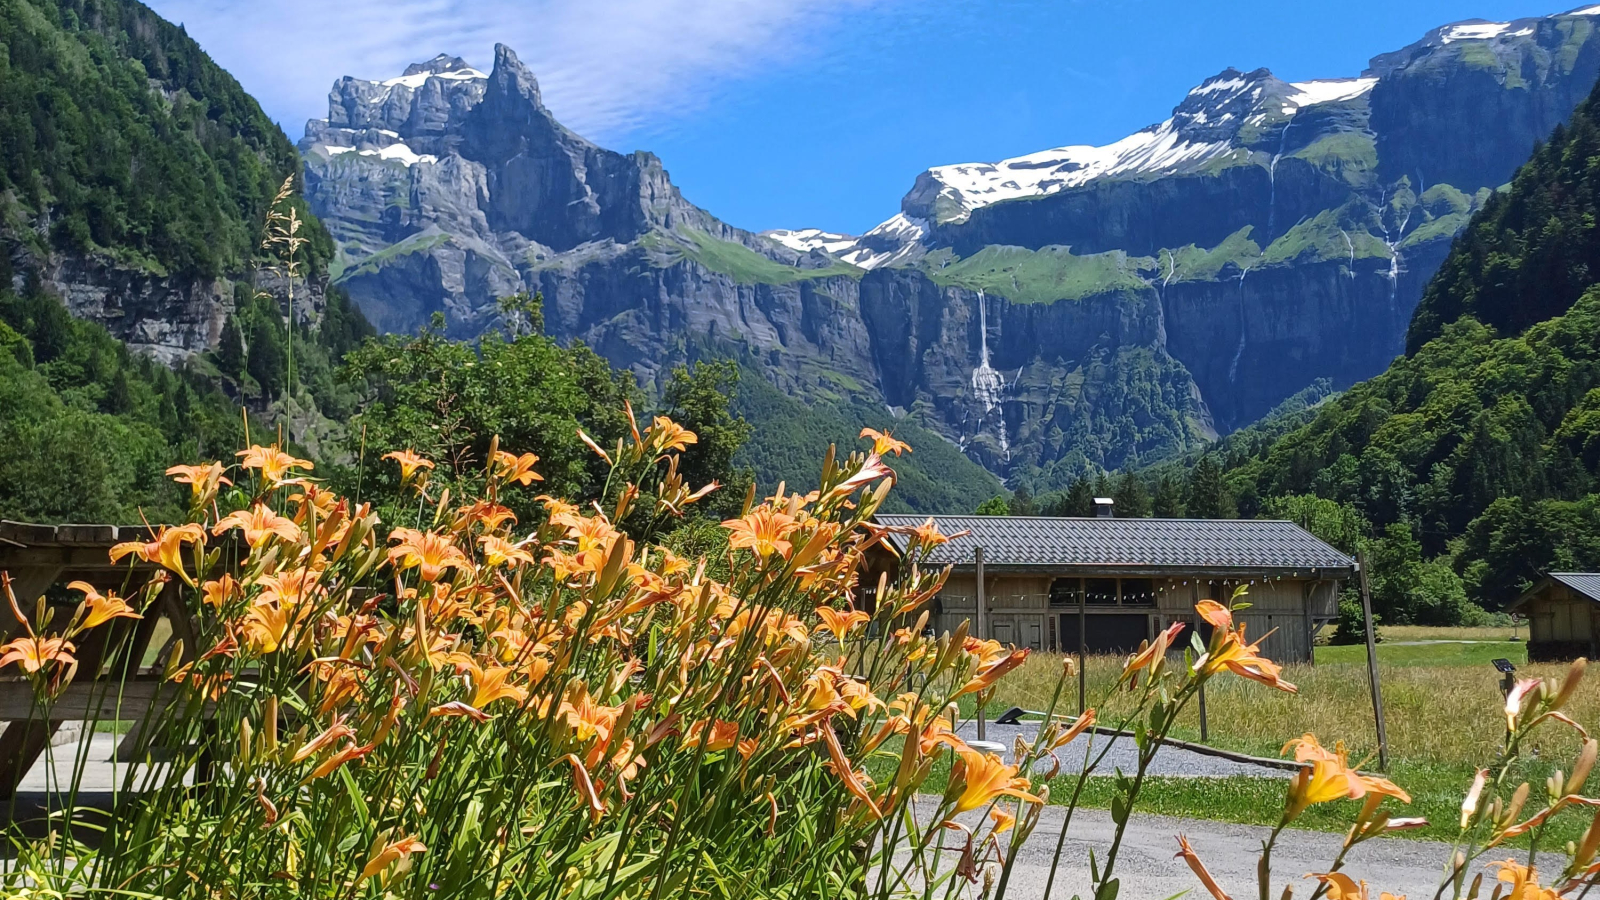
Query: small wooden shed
column 1563, row 611
column 1126, row 579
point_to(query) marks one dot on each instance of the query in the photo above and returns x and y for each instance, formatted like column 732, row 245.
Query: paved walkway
column 1124, row 754
column 1148, row 870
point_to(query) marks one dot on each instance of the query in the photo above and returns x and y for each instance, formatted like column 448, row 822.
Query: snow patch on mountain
column 421, row 78
column 1148, row 152
column 1329, row 90
column 806, row 240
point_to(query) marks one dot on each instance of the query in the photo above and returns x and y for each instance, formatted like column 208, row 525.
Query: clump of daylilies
column 461, row 704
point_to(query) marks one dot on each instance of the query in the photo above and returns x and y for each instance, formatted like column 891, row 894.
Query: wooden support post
column 1083, row 651
column 977, row 559
column 1372, row 662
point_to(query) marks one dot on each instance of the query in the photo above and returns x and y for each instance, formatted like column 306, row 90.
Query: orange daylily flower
column 101, row 609
column 840, row 623
column 992, row 665
column 430, row 551
column 259, row 524
column 335, row 732
column 265, row 626
column 1154, row 651
column 33, row 653
column 511, row 467
column 349, row 753
column 1517, row 698
column 202, row 481
column 1079, row 726
column 497, row 551
column 490, row 685
column 763, row 531
column 390, row 854
column 273, row 463
column 166, row 550
column 983, row 777
column 1003, row 821
column 717, row 735
column 1523, row 882
column 217, row 591
column 587, row 718
column 884, row 443
column 459, row 709
column 665, row 434
column 1342, row 887
column 410, row 464
column 1231, row 652
column 1328, row 776
column 928, row 536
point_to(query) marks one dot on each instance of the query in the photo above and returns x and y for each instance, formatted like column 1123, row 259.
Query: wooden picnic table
column 109, row 683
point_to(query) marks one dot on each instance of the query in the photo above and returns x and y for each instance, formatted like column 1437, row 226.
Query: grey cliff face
column 1075, row 308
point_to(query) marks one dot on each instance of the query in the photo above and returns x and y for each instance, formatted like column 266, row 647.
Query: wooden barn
column 1563, row 612
column 1126, row 579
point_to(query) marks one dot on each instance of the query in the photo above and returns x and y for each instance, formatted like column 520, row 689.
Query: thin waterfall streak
column 1238, row 353
column 988, row 385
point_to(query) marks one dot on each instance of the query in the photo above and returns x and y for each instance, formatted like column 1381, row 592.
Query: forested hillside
column 118, row 135
column 1479, row 449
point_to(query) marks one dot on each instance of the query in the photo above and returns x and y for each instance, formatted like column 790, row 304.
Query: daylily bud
column 1469, row 805
column 1580, row 771
column 1477, row 885
column 1569, row 684
column 1515, row 808
column 245, row 734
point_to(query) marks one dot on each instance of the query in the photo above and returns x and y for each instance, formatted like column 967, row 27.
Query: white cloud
column 606, row 67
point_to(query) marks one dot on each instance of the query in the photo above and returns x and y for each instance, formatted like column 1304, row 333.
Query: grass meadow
column 1443, row 713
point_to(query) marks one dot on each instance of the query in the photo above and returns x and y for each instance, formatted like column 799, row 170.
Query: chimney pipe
column 1103, row 507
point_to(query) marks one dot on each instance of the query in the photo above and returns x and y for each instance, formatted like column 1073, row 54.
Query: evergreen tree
column 1022, row 503
column 266, row 358
column 1208, row 494
column 230, row 351
column 1131, row 497
column 119, row 397
column 1079, row 500
column 1168, row 503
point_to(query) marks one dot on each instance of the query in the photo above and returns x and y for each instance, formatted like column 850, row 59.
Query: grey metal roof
column 1189, row 545
column 1585, row 583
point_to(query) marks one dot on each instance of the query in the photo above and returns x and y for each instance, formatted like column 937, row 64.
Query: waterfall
column 1272, row 180
column 1352, row 248
column 1394, row 245
column 988, row 384
column 1233, row 368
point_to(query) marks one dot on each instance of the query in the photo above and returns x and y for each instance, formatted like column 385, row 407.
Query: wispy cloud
column 606, row 67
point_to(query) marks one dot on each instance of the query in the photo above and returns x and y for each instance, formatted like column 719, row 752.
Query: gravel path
column 1124, row 754
column 1147, row 868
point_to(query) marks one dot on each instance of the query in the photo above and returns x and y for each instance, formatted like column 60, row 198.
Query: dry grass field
column 1442, row 702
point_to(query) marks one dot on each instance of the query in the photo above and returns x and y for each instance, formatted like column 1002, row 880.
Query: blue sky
column 820, row 113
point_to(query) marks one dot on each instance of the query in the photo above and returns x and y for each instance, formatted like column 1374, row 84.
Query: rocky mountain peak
column 439, row 65
column 512, row 79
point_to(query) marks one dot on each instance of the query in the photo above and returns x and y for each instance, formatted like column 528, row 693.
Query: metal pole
column 1372, row 662
column 1083, row 652
column 977, row 558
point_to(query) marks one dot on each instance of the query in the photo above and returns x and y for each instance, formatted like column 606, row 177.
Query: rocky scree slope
column 1072, row 309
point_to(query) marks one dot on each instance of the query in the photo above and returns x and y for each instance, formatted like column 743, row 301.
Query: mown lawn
column 1443, row 706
